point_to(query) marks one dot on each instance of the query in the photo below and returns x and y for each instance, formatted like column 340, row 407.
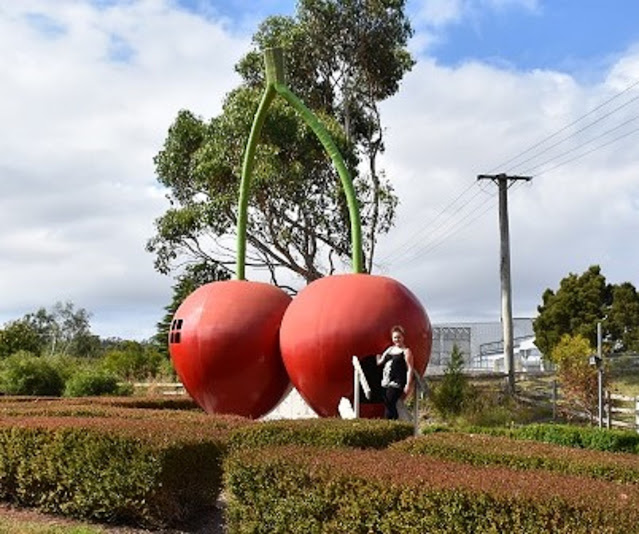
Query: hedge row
column 111, row 408
column 571, row 436
column 478, row 449
column 295, row 489
column 119, row 461
column 359, row 433
column 28, row 404
column 114, row 461
column 114, row 471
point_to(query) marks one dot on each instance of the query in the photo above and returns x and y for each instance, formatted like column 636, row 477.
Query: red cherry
column 337, row 317
column 225, row 348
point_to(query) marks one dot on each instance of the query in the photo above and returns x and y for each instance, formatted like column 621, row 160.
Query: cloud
column 85, row 109
column 440, row 13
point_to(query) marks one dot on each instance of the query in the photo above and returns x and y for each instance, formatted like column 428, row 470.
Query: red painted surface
column 227, row 353
column 337, row 317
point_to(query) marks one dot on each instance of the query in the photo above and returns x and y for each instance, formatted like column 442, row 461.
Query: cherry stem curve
column 276, row 84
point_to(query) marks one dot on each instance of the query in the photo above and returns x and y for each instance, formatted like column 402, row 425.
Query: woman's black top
column 394, row 371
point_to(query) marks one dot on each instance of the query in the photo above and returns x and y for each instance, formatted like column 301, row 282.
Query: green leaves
column 580, row 303
column 342, row 58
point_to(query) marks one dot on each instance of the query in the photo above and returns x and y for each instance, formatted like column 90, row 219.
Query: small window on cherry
column 175, row 334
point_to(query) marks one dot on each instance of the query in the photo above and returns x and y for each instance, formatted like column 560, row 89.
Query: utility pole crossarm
column 502, row 176
column 506, row 290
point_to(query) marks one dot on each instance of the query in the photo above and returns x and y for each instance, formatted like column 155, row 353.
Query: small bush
column 582, row 437
column 26, row 374
column 93, row 383
column 135, row 361
column 569, row 436
column 450, row 395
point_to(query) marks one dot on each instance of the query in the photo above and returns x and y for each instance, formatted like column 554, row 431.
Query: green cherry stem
column 276, row 83
column 245, row 183
column 335, row 155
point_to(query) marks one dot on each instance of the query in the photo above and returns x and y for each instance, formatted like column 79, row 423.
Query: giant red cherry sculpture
column 224, row 340
column 339, row 316
column 225, row 349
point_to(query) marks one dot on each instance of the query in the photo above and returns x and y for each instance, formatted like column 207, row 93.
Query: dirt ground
column 212, row 523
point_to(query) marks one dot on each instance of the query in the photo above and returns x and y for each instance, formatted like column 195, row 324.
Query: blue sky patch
column 45, row 25
column 579, row 37
column 120, row 50
column 574, row 36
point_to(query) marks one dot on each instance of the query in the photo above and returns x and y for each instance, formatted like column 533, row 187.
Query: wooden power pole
column 502, row 181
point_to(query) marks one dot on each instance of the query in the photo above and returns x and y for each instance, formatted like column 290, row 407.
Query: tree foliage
column 578, row 379
column 580, row 303
column 622, row 321
column 62, row 330
column 344, row 57
column 19, row 335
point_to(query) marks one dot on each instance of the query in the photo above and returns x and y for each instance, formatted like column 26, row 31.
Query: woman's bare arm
column 408, row 355
column 379, row 358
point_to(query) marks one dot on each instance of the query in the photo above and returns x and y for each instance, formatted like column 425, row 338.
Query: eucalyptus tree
column 62, row 329
column 343, row 58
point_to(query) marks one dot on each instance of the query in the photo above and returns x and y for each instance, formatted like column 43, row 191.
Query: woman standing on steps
column 397, row 371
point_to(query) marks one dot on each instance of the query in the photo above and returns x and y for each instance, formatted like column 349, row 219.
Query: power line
column 576, row 121
column 457, row 227
column 412, row 242
column 579, row 156
column 450, row 222
column 532, row 170
column 589, row 125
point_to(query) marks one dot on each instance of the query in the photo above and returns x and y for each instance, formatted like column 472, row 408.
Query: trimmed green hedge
column 296, row 489
column 28, row 403
column 358, row 433
column 111, row 471
column 571, row 436
column 481, row 449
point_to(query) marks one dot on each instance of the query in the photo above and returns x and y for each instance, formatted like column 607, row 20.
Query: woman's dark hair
column 398, row 328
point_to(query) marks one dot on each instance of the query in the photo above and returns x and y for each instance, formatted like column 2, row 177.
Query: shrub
column 26, row 374
column 577, row 377
column 481, row 449
column 449, row 396
column 66, row 365
column 93, row 383
column 134, row 361
column 304, row 489
column 582, row 437
column 569, row 435
column 115, row 471
column 359, row 433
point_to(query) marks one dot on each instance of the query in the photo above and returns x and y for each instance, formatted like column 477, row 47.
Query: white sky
column 88, row 94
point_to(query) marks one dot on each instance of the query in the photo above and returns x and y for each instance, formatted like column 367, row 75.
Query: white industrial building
column 482, row 346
